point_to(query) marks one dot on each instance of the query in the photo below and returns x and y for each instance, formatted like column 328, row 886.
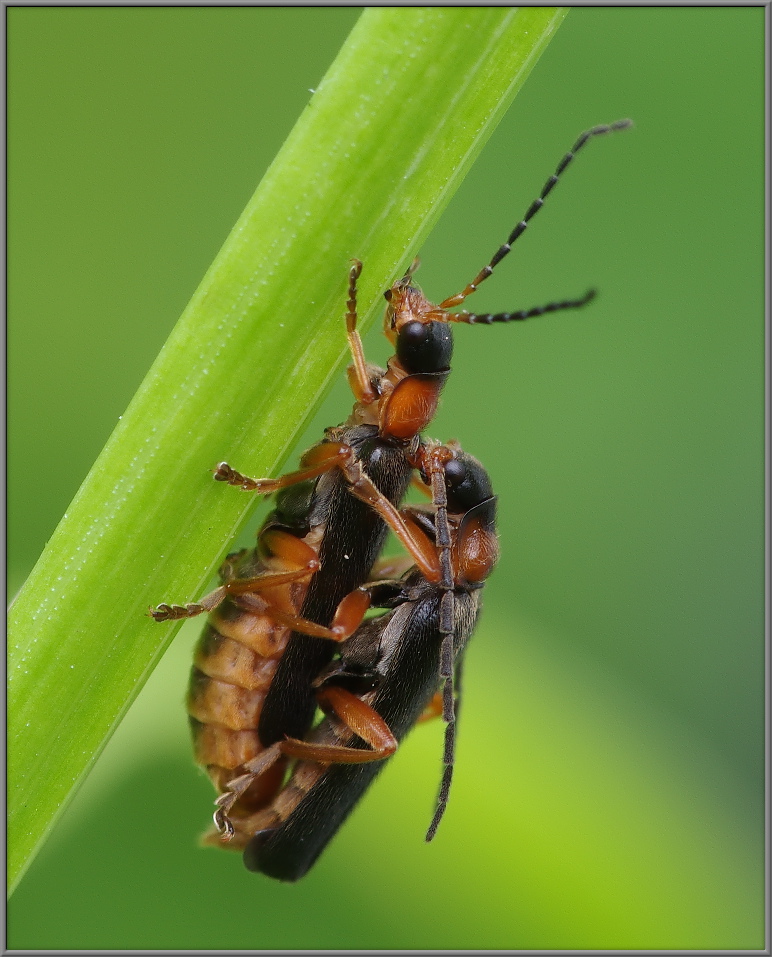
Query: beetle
column 385, row 678
column 251, row 615
column 380, row 440
column 367, row 461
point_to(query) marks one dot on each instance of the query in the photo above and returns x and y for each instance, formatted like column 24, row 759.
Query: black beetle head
column 467, row 482
column 425, row 346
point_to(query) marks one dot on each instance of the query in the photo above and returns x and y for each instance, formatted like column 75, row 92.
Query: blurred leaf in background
column 609, row 786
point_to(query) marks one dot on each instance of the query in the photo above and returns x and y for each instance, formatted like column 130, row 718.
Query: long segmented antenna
column 449, row 756
column 475, row 319
column 447, row 617
column 534, row 208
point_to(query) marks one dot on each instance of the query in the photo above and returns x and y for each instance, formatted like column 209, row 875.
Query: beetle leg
column 238, row 586
column 360, row 718
column 286, row 549
column 358, row 378
column 321, row 458
column 166, row 612
column 423, row 550
column 282, row 546
column 238, row 786
column 355, row 714
column 348, row 617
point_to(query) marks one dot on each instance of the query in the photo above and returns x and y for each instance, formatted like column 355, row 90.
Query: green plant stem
column 375, row 156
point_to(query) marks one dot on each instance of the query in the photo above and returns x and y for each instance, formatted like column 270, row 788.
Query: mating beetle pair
column 284, row 609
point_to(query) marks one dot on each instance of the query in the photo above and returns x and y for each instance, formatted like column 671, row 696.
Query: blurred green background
column 609, row 784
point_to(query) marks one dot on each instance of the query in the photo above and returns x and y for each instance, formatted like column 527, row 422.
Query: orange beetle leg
column 360, row 718
column 321, row 458
column 410, row 535
column 358, row 378
column 348, row 617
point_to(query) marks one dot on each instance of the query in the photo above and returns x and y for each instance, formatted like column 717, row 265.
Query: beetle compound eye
column 425, row 346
